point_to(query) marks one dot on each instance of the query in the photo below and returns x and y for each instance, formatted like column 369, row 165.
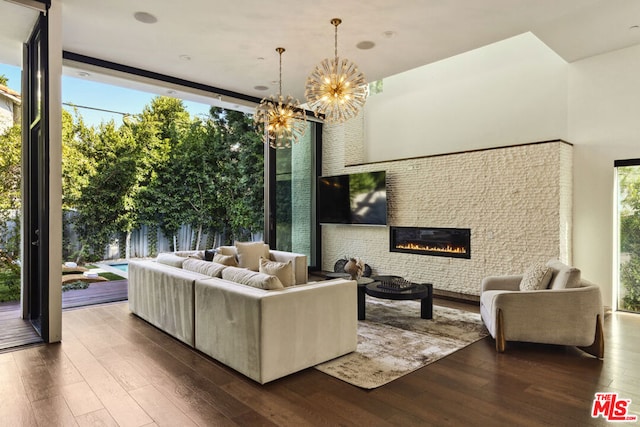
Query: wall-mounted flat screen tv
column 358, row 198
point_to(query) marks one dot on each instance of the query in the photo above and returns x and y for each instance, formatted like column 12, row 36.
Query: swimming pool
column 123, row 267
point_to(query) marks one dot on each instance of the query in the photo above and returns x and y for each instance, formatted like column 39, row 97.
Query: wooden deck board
column 15, row 332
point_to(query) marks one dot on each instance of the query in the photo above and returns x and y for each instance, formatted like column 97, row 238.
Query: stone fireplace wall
column 516, row 200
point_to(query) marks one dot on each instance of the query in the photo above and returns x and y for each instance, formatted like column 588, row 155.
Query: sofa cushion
column 282, row 270
column 251, row 278
column 228, row 260
column 173, row 260
column 212, row 269
column 537, row 277
column 563, row 275
column 249, row 254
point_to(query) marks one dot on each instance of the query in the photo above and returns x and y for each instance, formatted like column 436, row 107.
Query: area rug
column 395, row 341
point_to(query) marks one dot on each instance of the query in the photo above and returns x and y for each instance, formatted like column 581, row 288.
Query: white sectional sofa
column 264, row 334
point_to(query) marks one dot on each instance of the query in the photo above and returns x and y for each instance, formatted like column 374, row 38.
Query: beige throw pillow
column 249, row 254
column 536, row 278
column 282, row 270
column 229, row 260
column 564, row 276
column 251, row 278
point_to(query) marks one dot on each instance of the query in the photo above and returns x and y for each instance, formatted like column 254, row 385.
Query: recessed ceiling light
column 388, row 34
column 145, row 17
column 83, row 74
column 260, row 58
column 261, row 87
column 185, row 57
column 364, row 45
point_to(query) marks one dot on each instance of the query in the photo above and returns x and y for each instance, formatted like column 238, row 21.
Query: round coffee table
column 423, row 292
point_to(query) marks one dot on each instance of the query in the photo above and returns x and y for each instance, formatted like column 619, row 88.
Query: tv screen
column 359, row 198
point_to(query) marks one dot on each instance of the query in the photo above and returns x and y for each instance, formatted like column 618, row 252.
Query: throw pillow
column 251, row 278
column 229, row 260
column 563, row 276
column 201, row 266
column 209, row 254
column 170, row 259
column 535, row 278
column 249, row 254
column 282, row 270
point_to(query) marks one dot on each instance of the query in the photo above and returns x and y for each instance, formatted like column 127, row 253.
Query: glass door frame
column 617, row 282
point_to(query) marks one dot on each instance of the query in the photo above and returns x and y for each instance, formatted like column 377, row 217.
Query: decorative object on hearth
column 354, row 267
column 336, row 87
column 338, row 267
column 394, row 341
column 284, row 121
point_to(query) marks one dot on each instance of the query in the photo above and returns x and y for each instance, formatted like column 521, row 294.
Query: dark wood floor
column 114, row 369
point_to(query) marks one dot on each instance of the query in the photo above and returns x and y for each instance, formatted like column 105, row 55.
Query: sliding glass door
column 36, row 173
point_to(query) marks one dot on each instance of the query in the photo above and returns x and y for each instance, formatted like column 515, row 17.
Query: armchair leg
column 500, row 341
column 597, row 348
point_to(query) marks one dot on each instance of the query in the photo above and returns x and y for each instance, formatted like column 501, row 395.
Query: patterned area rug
column 395, row 341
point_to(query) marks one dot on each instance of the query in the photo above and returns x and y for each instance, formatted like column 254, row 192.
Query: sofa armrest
column 563, row 316
column 269, row 334
column 501, row 283
column 299, row 262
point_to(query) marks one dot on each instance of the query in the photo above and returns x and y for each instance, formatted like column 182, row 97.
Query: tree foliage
column 163, row 169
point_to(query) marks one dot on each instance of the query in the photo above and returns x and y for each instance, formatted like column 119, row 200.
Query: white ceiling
column 226, row 39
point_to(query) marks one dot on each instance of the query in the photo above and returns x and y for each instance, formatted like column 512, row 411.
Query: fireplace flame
column 427, row 248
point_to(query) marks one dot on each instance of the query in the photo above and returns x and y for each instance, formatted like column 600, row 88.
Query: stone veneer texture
column 516, row 201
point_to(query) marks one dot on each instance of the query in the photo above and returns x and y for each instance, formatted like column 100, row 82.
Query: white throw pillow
column 251, row 278
column 249, row 254
column 282, row 270
column 536, row 278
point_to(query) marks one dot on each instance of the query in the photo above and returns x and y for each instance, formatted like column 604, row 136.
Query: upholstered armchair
column 552, row 305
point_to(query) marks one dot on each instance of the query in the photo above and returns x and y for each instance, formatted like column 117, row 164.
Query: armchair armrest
column 501, row 283
column 563, row 316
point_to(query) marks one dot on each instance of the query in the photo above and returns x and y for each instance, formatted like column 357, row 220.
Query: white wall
column 604, row 125
column 510, row 92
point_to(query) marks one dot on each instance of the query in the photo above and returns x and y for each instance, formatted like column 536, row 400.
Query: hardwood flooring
column 114, row 369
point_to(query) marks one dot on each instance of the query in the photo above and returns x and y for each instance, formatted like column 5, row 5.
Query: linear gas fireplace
column 447, row 242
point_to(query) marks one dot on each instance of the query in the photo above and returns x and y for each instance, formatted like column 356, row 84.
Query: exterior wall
column 10, row 110
column 516, row 201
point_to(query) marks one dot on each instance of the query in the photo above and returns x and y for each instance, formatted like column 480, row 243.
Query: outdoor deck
column 15, row 331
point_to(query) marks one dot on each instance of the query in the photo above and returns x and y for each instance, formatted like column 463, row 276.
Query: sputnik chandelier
column 336, row 88
column 284, row 122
